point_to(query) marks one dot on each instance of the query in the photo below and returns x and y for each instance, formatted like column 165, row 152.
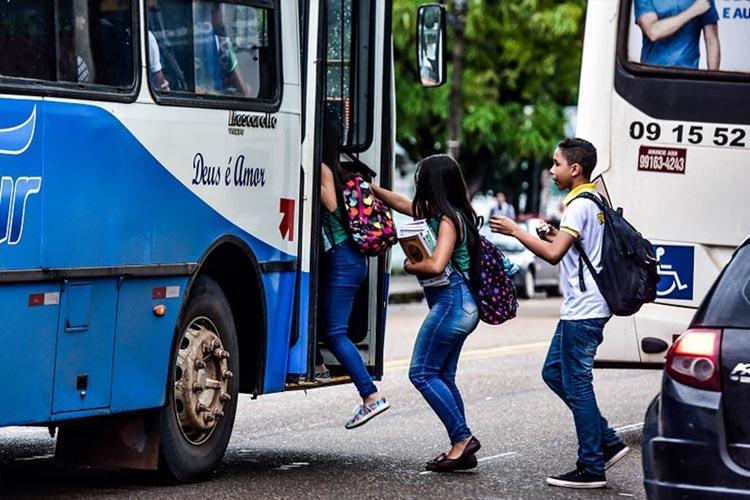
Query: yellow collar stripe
column 580, row 189
column 575, row 234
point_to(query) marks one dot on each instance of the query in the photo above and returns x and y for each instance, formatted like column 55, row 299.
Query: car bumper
column 683, row 455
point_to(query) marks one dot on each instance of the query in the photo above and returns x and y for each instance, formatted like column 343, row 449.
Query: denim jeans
column 344, row 270
column 567, row 371
column 453, row 316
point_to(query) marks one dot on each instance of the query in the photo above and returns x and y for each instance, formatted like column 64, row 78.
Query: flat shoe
column 464, row 462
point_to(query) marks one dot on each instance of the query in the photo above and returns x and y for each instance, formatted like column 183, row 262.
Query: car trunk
column 735, row 362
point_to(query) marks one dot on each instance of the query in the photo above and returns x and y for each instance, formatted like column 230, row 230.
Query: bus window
column 210, row 48
column 690, row 34
column 348, row 70
column 91, row 43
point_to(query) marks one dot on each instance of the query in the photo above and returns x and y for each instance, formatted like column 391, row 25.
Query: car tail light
column 694, row 359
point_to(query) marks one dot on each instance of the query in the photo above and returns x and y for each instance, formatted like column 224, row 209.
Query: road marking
column 501, row 455
column 35, row 457
column 480, row 353
column 628, row 428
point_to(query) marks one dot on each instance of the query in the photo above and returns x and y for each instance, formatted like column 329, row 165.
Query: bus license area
column 657, row 159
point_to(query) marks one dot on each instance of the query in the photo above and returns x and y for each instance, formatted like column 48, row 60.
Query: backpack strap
column 582, row 257
column 601, row 202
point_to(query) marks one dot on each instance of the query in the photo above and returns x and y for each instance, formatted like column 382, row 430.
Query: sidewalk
column 404, row 288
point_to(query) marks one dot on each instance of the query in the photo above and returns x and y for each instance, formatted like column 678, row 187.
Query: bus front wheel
column 196, row 423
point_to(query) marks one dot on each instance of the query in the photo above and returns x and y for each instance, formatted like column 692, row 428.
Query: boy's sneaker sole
column 576, row 484
column 382, row 408
column 618, row 456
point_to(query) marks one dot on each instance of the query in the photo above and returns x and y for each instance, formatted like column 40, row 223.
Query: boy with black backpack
column 568, row 367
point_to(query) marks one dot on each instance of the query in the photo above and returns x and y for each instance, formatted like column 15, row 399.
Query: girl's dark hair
column 441, row 190
column 331, row 154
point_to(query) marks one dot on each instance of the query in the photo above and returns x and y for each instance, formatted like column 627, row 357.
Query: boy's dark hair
column 579, row 151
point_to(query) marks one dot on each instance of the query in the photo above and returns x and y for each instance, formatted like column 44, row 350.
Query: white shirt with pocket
column 584, row 221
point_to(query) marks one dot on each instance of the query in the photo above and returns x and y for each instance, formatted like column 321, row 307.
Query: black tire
column 181, row 459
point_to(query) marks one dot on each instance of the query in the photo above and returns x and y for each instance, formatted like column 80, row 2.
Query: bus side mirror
column 431, row 47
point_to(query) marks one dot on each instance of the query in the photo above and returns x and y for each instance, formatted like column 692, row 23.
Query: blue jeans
column 453, row 316
column 344, row 270
column 568, row 372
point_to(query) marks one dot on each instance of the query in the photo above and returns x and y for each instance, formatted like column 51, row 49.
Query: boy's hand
column 504, row 225
column 546, row 232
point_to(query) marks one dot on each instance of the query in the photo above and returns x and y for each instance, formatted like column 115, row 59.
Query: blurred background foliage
column 521, row 69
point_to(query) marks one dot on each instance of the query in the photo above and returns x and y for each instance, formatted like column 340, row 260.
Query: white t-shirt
column 585, row 222
column 154, row 58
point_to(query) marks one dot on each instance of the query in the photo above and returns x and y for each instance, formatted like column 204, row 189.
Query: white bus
column 674, row 147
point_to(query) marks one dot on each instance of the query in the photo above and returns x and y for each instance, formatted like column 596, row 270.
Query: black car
column 696, row 436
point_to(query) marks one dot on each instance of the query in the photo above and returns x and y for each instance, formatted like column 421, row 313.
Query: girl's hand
column 407, row 263
column 503, row 225
column 395, row 201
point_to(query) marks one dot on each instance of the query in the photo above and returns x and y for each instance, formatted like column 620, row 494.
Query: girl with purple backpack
column 441, row 198
column 343, row 269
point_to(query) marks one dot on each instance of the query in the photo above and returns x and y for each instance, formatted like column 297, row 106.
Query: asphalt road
column 294, row 445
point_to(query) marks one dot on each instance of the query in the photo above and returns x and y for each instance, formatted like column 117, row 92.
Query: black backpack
column 629, row 267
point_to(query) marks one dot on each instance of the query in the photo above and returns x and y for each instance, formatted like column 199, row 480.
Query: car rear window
column 729, row 304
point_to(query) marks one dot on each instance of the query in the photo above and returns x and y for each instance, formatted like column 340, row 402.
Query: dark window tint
column 212, row 49
column 348, row 69
column 78, row 41
column 729, row 305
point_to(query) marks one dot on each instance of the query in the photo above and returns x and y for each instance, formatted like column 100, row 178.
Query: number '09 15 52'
column 735, row 137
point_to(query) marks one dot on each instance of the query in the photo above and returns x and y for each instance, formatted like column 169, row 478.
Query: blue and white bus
column 160, row 203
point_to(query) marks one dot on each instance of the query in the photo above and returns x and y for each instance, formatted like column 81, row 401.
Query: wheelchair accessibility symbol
column 676, row 272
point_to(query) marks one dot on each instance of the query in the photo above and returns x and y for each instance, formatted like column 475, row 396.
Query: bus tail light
column 694, row 359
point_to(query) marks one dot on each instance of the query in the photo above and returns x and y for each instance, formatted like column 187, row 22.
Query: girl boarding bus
column 160, row 200
column 665, row 97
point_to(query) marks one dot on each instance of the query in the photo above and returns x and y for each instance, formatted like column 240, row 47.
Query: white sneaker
column 366, row 411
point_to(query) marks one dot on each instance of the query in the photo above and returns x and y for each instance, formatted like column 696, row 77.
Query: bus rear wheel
column 196, row 423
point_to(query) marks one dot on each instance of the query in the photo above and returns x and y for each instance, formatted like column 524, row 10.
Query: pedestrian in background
column 441, row 198
column 570, row 359
column 503, row 207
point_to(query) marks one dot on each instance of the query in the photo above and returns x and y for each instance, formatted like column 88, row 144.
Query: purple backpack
column 493, row 289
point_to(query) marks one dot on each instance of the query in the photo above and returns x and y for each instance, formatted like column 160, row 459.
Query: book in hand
column 419, row 241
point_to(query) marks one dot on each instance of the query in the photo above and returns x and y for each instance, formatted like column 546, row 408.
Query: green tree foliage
column 522, row 65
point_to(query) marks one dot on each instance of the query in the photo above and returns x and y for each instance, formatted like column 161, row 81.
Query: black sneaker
column 613, row 454
column 578, row 478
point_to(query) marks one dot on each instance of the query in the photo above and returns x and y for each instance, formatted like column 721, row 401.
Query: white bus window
column 348, row 70
column 75, row 41
column 691, row 34
column 212, row 49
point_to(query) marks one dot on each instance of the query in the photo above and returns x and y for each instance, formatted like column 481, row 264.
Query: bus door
column 353, row 87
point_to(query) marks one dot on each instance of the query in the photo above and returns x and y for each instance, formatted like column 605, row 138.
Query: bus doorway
column 355, row 46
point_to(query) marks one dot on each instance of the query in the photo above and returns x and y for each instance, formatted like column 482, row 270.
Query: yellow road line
column 481, row 353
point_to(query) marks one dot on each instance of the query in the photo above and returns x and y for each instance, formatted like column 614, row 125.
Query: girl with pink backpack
column 343, row 269
column 441, row 198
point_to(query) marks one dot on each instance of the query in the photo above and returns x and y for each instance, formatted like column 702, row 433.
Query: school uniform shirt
column 585, row 222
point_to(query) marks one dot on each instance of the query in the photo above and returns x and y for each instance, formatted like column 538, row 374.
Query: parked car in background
column 696, row 436
column 535, row 273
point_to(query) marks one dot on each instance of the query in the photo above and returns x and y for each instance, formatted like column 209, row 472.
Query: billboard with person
column 691, row 34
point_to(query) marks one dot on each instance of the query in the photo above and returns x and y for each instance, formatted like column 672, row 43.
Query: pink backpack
column 370, row 221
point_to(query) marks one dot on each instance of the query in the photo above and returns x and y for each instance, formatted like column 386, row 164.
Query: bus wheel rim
column 201, row 380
